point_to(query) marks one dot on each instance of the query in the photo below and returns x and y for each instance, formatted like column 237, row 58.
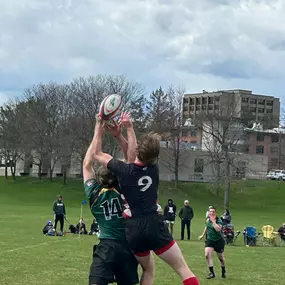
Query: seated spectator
column 81, row 227
column 281, row 231
column 94, row 229
column 226, row 217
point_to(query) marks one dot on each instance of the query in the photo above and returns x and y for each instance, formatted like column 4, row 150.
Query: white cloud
column 3, row 98
column 202, row 44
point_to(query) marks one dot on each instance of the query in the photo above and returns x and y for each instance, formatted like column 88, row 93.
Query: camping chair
column 250, row 236
column 269, row 237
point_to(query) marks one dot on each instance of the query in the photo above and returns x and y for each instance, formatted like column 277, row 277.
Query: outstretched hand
column 113, row 128
column 125, row 120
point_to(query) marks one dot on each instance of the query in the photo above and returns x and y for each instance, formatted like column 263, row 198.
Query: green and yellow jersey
column 106, row 205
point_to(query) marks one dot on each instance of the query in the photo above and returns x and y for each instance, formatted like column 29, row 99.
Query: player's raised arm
column 115, row 130
column 125, row 121
column 101, row 157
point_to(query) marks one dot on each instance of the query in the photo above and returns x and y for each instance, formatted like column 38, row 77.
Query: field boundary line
column 28, row 246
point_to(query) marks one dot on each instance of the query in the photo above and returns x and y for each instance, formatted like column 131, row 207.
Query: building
column 247, row 106
column 270, row 143
column 195, row 165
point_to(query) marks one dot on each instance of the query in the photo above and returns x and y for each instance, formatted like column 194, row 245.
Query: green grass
column 29, row 258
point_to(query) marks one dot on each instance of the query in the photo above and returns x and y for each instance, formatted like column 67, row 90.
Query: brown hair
column 105, row 177
column 148, row 148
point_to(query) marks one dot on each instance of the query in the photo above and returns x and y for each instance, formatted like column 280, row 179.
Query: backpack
column 72, row 229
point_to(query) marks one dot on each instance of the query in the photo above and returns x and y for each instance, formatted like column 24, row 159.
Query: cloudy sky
column 202, row 44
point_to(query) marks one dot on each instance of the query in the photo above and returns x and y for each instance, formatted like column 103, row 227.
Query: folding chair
column 269, row 237
column 250, row 236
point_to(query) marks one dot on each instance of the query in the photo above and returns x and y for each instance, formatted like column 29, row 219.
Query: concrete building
column 249, row 106
column 196, row 166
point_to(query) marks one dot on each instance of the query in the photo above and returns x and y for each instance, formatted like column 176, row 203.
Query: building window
column 185, row 108
column 269, row 103
column 217, row 99
column 252, row 109
column 260, row 110
column 269, row 111
column 244, row 100
column 210, row 107
column 204, row 100
column 185, row 100
column 198, row 101
column 191, row 108
column 199, row 165
column 191, row 101
column 211, row 100
column 261, row 102
column 260, row 149
column 252, row 101
column 260, row 137
column 274, row 138
column 198, row 108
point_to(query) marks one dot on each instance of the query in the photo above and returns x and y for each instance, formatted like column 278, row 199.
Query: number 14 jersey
column 106, row 207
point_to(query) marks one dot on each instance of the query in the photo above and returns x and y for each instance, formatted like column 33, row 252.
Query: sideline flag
column 83, row 202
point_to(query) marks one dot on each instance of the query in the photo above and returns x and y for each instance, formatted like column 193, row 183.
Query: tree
column 12, row 131
column 222, row 134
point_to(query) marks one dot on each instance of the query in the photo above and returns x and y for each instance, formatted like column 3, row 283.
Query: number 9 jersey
column 106, row 207
column 139, row 185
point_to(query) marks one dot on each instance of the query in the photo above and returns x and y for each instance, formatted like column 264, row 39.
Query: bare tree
column 222, row 134
column 165, row 118
column 12, row 135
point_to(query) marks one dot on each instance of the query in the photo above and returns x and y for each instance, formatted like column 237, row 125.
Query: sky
column 201, row 44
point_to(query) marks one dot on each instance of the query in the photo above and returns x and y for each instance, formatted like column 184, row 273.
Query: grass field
column 29, row 258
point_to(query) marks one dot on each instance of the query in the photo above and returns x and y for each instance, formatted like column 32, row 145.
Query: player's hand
column 125, row 120
column 113, row 128
column 212, row 218
column 100, row 123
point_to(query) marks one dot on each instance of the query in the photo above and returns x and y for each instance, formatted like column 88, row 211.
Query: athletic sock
column 211, row 268
column 223, row 269
column 191, row 281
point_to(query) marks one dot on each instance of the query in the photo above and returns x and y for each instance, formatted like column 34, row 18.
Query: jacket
column 169, row 212
column 186, row 213
column 58, row 208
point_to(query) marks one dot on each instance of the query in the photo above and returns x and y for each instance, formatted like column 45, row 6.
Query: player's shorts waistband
column 143, row 216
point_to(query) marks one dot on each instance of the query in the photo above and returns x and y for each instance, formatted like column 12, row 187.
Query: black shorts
column 148, row 233
column 218, row 245
column 113, row 261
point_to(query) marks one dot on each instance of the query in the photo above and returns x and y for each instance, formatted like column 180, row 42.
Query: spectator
column 94, row 229
column 281, row 231
column 59, row 213
column 81, row 227
column 169, row 214
column 226, row 217
column 186, row 214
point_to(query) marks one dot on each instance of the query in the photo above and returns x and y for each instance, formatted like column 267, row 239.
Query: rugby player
column 139, row 181
column 113, row 260
column 214, row 242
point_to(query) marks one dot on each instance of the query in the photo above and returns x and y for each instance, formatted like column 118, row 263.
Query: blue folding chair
column 250, row 236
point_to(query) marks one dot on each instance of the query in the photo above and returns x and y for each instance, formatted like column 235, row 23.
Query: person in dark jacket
column 186, row 214
column 94, row 229
column 281, row 231
column 169, row 214
column 226, row 217
column 81, row 227
column 59, row 213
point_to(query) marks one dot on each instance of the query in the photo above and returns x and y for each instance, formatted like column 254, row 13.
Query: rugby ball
column 110, row 106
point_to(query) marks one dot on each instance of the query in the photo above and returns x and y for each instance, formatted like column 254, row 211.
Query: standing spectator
column 169, row 214
column 186, row 214
column 59, row 212
column 281, row 231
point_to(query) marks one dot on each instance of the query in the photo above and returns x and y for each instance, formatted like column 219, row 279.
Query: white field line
column 28, row 246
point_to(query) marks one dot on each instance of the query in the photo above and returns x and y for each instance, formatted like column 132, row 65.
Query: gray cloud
column 201, row 44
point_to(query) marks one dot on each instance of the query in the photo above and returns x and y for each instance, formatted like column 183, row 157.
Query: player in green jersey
column 214, row 242
column 112, row 258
